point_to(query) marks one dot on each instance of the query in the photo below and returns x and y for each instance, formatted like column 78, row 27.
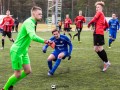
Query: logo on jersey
column 61, row 41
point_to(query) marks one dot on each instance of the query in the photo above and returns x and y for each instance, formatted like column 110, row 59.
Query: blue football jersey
column 114, row 24
column 62, row 43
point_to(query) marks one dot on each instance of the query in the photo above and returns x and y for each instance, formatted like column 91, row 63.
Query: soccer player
column 7, row 24
column 19, row 50
column 67, row 23
column 113, row 27
column 100, row 25
column 16, row 23
column 60, row 25
column 79, row 20
column 61, row 50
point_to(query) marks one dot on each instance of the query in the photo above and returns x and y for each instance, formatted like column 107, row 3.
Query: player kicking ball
column 19, row 50
column 98, row 35
column 61, row 50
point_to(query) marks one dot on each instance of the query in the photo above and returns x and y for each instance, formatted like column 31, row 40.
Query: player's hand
column 46, row 41
column 44, row 49
column 50, row 43
column 7, row 23
column 88, row 25
column 69, row 57
column 66, row 21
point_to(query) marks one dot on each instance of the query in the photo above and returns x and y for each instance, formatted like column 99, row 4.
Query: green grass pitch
column 82, row 72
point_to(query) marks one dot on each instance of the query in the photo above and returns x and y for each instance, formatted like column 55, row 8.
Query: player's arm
column 109, row 22
column 44, row 49
column 95, row 18
column 75, row 20
column 51, row 39
column 117, row 25
column 84, row 20
column 106, row 26
column 70, row 48
column 30, row 28
column 11, row 22
column 70, row 45
column 70, row 21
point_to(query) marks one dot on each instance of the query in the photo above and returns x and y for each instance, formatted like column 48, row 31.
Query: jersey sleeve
column 52, row 39
column 30, row 28
column 94, row 20
column 75, row 20
column 106, row 25
column 70, row 21
column 117, row 24
column 84, row 20
column 11, row 22
column 109, row 22
column 70, row 45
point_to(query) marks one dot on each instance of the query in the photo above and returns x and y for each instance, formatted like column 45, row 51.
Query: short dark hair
column 54, row 30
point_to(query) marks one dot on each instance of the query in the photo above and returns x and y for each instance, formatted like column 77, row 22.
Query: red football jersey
column 67, row 23
column 7, row 23
column 79, row 20
column 100, row 23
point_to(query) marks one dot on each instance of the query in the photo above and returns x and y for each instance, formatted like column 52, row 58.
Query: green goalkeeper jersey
column 25, row 36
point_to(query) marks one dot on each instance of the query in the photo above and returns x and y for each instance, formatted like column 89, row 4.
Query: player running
column 60, row 25
column 67, row 23
column 100, row 25
column 19, row 50
column 61, row 50
column 7, row 24
column 79, row 20
column 113, row 27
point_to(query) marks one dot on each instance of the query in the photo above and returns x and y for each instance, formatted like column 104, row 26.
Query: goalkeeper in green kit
column 19, row 50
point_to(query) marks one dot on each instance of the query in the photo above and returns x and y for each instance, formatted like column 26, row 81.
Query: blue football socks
column 55, row 65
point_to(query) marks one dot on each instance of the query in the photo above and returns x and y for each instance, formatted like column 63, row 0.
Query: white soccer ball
column 53, row 86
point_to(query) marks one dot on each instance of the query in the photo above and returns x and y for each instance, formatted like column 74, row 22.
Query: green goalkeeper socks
column 23, row 74
column 10, row 81
column 13, row 80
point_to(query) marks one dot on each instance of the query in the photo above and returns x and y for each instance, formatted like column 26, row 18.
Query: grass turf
column 82, row 72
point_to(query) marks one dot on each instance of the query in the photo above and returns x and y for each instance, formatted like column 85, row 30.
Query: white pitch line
column 92, row 49
column 87, row 49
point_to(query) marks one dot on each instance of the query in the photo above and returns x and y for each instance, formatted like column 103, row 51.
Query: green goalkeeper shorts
column 19, row 60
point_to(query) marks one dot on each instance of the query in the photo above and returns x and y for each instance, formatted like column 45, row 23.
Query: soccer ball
column 53, row 86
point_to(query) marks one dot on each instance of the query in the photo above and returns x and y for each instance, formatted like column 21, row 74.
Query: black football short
column 98, row 40
column 9, row 34
column 79, row 29
column 67, row 29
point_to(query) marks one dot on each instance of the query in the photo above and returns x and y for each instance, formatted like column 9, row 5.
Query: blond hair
column 100, row 3
column 34, row 8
